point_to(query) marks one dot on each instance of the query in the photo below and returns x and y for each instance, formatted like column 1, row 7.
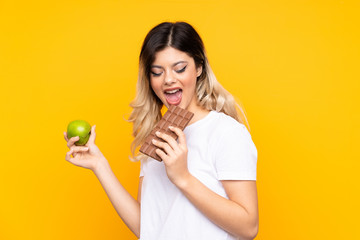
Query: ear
column 198, row 71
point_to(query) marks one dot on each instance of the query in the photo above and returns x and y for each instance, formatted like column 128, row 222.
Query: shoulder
column 231, row 134
column 234, row 152
column 226, row 125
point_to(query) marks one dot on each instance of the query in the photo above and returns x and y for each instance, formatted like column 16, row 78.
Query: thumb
column 92, row 135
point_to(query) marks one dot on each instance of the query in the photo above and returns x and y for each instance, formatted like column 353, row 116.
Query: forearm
column 125, row 205
column 225, row 213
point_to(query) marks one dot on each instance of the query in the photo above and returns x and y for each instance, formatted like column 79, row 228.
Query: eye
column 181, row 70
column 155, row 74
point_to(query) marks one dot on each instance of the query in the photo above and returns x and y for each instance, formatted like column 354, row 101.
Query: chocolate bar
column 176, row 117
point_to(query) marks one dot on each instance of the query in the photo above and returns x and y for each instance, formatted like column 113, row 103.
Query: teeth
column 173, row 91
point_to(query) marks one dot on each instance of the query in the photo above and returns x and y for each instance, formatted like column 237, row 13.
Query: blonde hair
column 209, row 92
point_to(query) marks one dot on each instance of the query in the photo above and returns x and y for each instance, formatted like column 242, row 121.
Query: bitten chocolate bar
column 176, row 117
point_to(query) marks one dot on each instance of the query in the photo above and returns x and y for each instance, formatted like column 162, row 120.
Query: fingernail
column 154, row 141
column 171, row 127
column 157, row 133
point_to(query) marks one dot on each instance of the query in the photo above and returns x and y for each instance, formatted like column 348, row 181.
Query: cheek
column 155, row 87
column 190, row 80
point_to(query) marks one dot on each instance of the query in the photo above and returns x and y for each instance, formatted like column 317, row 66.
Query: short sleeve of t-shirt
column 236, row 154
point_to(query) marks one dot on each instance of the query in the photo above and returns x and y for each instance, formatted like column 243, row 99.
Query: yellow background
column 294, row 65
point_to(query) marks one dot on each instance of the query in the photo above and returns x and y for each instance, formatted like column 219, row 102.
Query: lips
column 174, row 96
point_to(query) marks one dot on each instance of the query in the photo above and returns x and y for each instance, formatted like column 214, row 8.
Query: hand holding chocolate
column 176, row 117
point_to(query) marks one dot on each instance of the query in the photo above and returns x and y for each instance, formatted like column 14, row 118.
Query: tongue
column 174, row 98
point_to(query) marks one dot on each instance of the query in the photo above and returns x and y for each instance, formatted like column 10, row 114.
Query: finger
column 79, row 149
column 68, row 155
column 72, row 141
column 73, row 153
column 92, row 135
column 168, row 150
column 171, row 141
column 65, row 136
column 181, row 135
column 70, row 159
column 161, row 154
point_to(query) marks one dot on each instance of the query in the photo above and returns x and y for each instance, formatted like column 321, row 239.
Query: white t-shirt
column 219, row 148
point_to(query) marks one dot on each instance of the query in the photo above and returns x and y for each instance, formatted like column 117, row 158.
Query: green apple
column 79, row 128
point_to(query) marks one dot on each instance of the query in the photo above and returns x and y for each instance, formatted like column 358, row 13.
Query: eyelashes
column 158, row 74
column 181, row 70
column 155, row 74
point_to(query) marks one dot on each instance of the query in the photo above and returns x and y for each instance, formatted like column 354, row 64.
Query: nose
column 169, row 79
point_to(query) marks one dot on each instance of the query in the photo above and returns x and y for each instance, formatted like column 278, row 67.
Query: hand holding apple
column 87, row 155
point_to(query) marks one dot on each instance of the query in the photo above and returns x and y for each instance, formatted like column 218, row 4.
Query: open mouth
column 173, row 97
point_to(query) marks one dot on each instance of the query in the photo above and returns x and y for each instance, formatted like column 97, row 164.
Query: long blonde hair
column 210, row 94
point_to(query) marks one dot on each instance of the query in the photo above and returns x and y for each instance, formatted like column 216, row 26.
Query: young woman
column 205, row 187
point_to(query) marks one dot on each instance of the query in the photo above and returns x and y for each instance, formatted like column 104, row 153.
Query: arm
column 238, row 215
column 125, row 205
column 90, row 157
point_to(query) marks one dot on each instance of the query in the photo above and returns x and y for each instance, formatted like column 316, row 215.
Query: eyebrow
column 157, row 66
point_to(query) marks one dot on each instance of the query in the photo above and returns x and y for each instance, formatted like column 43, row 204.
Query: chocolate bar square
column 176, row 117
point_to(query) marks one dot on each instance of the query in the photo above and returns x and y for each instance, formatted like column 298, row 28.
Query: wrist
column 101, row 165
column 184, row 182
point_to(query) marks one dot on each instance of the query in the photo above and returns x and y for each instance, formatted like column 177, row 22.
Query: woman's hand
column 174, row 155
column 87, row 156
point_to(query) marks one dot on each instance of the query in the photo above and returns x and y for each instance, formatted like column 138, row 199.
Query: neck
column 199, row 113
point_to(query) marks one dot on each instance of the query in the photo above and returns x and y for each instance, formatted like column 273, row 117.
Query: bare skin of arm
column 237, row 215
column 90, row 157
column 125, row 205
